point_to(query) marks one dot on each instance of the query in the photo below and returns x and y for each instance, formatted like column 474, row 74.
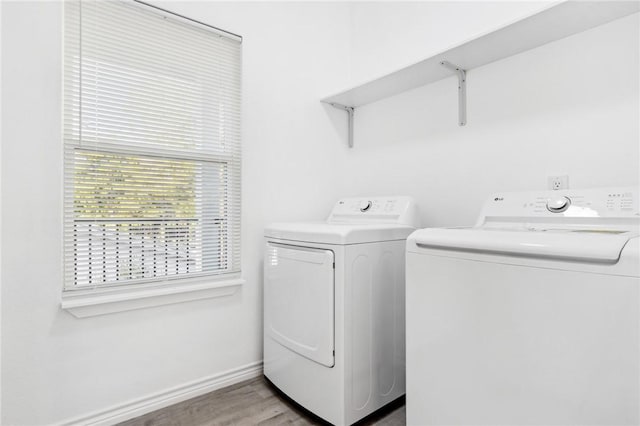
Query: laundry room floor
column 252, row 402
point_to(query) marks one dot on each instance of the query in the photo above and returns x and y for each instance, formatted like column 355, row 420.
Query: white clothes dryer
column 334, row 307
column 531, row 317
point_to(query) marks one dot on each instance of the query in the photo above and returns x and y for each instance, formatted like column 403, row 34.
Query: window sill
column 99, row 302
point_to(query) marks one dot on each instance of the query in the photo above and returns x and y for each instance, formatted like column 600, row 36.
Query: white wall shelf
column 552, row 23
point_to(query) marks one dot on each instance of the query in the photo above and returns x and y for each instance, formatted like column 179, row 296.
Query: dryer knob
column 365, row 205
column 558, row 204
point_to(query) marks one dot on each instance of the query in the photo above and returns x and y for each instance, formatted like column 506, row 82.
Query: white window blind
column 152, row 147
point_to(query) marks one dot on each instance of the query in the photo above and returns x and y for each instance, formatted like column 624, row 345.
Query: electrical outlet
column 558, row 182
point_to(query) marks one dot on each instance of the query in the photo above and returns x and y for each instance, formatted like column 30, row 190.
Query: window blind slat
column 152, row 148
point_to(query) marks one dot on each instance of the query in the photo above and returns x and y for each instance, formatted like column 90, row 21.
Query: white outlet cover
column 556, row 182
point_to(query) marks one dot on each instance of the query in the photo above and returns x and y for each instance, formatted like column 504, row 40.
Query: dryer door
column 298, row 300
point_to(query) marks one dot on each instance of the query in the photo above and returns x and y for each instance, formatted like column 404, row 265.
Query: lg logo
column 498, row 199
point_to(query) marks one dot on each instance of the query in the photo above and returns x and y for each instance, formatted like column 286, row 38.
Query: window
column 152, row 147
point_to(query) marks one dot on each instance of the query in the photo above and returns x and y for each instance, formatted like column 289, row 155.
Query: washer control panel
column 398, row 209
column 600, row 202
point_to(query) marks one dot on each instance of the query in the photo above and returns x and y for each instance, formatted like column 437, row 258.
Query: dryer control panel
column 396, row 209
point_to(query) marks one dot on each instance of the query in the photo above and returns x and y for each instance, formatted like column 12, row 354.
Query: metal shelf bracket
column 462, row 100
column 350, row 111
column 462, row 91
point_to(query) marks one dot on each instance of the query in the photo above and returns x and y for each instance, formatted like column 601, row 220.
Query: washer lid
column 332, row 233
column 595, row 246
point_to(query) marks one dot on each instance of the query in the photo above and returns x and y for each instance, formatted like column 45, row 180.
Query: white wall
column 387, row 36
column 571, row 106
column 0, row 216
column 55, row 366
column 567, row 107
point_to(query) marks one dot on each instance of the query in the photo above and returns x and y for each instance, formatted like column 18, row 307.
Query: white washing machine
column 334, row 307
column 529, row 318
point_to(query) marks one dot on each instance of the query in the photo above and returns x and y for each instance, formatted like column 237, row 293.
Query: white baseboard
column 140, row 406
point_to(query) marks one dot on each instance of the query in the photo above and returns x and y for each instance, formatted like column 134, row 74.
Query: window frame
column 135, row 294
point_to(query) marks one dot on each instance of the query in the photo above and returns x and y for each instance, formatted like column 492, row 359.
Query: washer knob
column 558, row 204
column 365, row 205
